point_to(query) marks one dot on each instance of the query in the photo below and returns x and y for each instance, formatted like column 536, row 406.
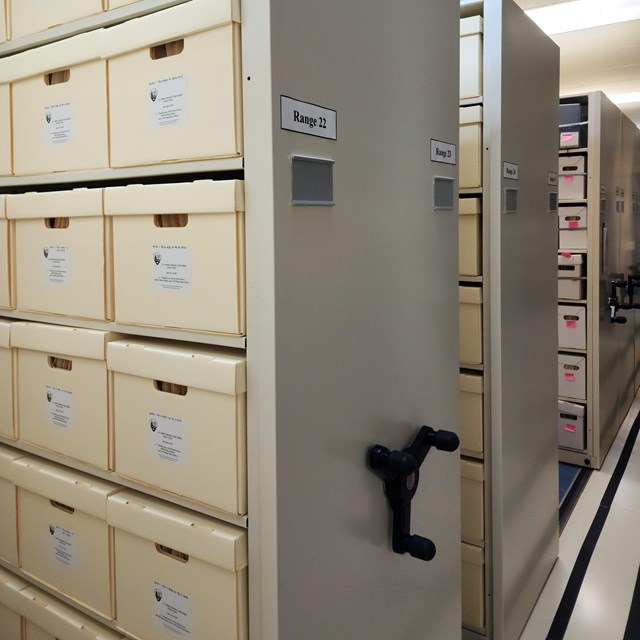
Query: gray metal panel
column 522, row 296
column 352, row 319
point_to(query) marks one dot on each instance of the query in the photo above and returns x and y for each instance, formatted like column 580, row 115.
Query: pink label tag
column 570, row 377
column 566, row 137
column 566, row 254
column 571, row 428
column 567, row 178
column 571, row 324
column 573, row 224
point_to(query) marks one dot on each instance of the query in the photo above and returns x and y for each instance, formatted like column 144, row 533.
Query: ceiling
column 603, row 58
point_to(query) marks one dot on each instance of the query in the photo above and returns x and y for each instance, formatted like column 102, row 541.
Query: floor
column 609, row 562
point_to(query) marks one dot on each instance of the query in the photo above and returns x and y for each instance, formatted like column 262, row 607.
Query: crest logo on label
column 46, row 252
column 157, row 258
column 153, row 94
column 52, row 529
column 48, row 116
column 49, row 396
column 153, row 424
column 158, row 595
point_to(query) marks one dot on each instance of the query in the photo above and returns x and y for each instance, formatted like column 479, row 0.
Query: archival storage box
column 572, row 326
column 10, row 620
column 34, row 16
column 470, row 238
column 179, row 255
column 7, row 381
column 470, row 325
column 60, row 257
column 63, row 390
column 572, row 376
column 63, row 536
column 571, row 425
column 175, row 85
column 472, row 504
column 8, row 505
column 471, row 58
column 471, row 412
column 59, row 106
column 178, row 573
column 46, row 618
column 6, row 258
column 470, row 148
column 473, row 595
column 180, row 419
column 572, row 228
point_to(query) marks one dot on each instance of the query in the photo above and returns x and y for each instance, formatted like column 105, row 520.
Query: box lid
column 471, row 470
column 214, row 542
column 72, row 488
column 168, row 24
column 202, row 196
column 63, row 54
column 202, row 367
column 570, row 310
column 571, row 408
column 3, row 210
column 7, row 457
column 470, row 295
column 471, row 383
column 571, row 165
column 569, row 259
column 580, row 211
column 472, row 554
column 5, row 334
column 50, row 204
column 469, row 206
column 67, row 341
column 470, row 115
column 571, row 360
column 471, row 25
column 10, row 587
column 60, row 620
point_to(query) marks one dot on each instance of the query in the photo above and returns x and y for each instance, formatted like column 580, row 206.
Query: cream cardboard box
column 180, row 419
column 60, row 256
column 177, row 573
column 10, row 620
column 46, row 618
column 3, row 22
column 572, row 272
column 175, row 85
column 6, row 160
column 8, row 506
column 572, row 228
column 59, row 106
column 179, row 255
column 470, row 237
column 471, row 58
column 33, row 16
column 63, row 390
column 470, row 325
column 572, row 178
column 473, row 596
column 114, row 4
column 470, row 147
column 571, row 425
column 7, row 381
column 472, row 504
column 572, row 326
column 6, row 258
column 64, row 539
column 471, row 412
column 572, row 376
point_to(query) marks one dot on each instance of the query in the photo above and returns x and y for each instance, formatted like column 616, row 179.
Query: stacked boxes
column 572, row 276
column 179, row 255
column 64, row 538
column 7, row 424
column 60, row 257
column 180, row 420
column 177, row 573
column 175, row 85
column 63, row 393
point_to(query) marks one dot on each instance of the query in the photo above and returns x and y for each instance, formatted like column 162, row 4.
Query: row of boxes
column 572, row 228
column 572, row 326
column 572, row 178
column 28, row 613
column 166, row 414
column 572, row 276
column 166, row 571
column 161, row 88
column 168, row 255
column 25, row 17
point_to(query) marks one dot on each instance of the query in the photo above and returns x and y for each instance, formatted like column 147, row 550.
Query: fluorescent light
column 625, row 98
column 583, row 14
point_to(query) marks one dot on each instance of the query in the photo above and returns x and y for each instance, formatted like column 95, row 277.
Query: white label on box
column 171, row 609
column 59, row 406
column 57, row 264
column 443, row 152
column 308, row 118
column 63, row 545
column 59, row 122
column 172, row 267
column 167, row 437
column 168, row 101
column 510, row 171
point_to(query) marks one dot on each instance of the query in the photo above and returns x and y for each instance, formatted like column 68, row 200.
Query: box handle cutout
column 56, row 223
column 170, row 387
column 571, row 367
column 576, row 318
column 59, row 363
column 57, row 77
column 568, row 416
column 172, row 553
column 62, row 507
column 171, row 220
column 166, row 50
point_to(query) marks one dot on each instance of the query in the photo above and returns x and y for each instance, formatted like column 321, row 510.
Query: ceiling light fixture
column 625, row 98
